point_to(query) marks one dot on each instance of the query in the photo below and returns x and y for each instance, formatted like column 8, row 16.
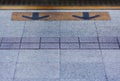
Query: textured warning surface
column 18, row 16
column 37, row 43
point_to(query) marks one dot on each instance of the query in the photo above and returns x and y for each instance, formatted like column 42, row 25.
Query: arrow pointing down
column 35, row 16
column 86, row 16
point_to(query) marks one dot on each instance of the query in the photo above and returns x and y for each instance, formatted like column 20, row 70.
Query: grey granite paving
column 109, row 46
column 70, row 46
column 108, row 39
column 6, row 79
column 33, row 79
column 29, row 46
column 41, row 56
column 42, row 29
column 10, row 46
column 49, row 46
column 69, row 39
column 111, row 55
column 7, row 70
column 91, row 71
column 11, row 39
column 26, row 55
column 31, row 39
column 89, row 46
column 33, row 43
column 50, row 39
column 77, row 28
column 8, row 56
column 85, row 65
column 37, row 70
column 108, row 31
column 89, row 39
column 112, row 64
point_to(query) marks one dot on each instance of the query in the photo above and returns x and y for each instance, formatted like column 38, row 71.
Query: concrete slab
column 69, row 39
column 112, row 64
column 89, row 46
column 35, row 79
column 113, row 71
column 11, row 39
column 49, row 46
column 9, row 23
column 73, row 80
column 70, row 46
column 10, row 46
column 8, row 56
column 88, row 39
column 108, row 31
column 82, row 65
column 37, row 70
column 6, row 79
column 42, row 29
column 111, row 55
column 108, row 39
column 11, row 31
column 87, row 71
column 30, row 46
column 50, row 40
column 39, row 56
column 77, row 29
column 30, row 39
column 109, row 46
column 7, row 70
column 47, row 24
column 78, row 56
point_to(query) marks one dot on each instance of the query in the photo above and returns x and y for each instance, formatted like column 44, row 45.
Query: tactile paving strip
column 61, row 43
column 18, row 16
column 61, row 2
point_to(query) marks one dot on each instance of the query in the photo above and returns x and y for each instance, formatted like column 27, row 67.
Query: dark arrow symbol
column 35, row 16
column 86, row 16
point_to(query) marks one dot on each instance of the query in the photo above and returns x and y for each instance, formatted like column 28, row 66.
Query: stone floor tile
column 70, row 46
column 31, row 39
column 49, row 46
column 7, row 70
column 50, row 39
column 8, row 56
column 39, row 56
column 37, row 70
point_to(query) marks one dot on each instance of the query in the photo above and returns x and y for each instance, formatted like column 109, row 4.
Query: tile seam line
column 118, row 42
column 40, row 43
column 79, row 42
column 60, row 28
column 23, row 29
column 22, row 36
column 1, row 42
column 60, row 50
column 97, row 35
column 96, row 29
column 16, row 66
column 60, row 64
column 106, row 76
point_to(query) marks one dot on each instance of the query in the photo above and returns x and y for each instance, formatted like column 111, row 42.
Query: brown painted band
column 60, row 7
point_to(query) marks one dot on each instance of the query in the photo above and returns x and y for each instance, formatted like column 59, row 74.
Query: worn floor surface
column 59, row 64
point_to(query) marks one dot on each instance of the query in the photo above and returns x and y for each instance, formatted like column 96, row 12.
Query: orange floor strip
column 58, row 7
column 18, row 16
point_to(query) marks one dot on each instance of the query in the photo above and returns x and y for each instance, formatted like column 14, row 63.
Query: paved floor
column 57, row 64
column 61, row 43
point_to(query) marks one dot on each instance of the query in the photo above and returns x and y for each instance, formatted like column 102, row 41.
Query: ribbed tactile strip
column 62, row 43
column 61, row 2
